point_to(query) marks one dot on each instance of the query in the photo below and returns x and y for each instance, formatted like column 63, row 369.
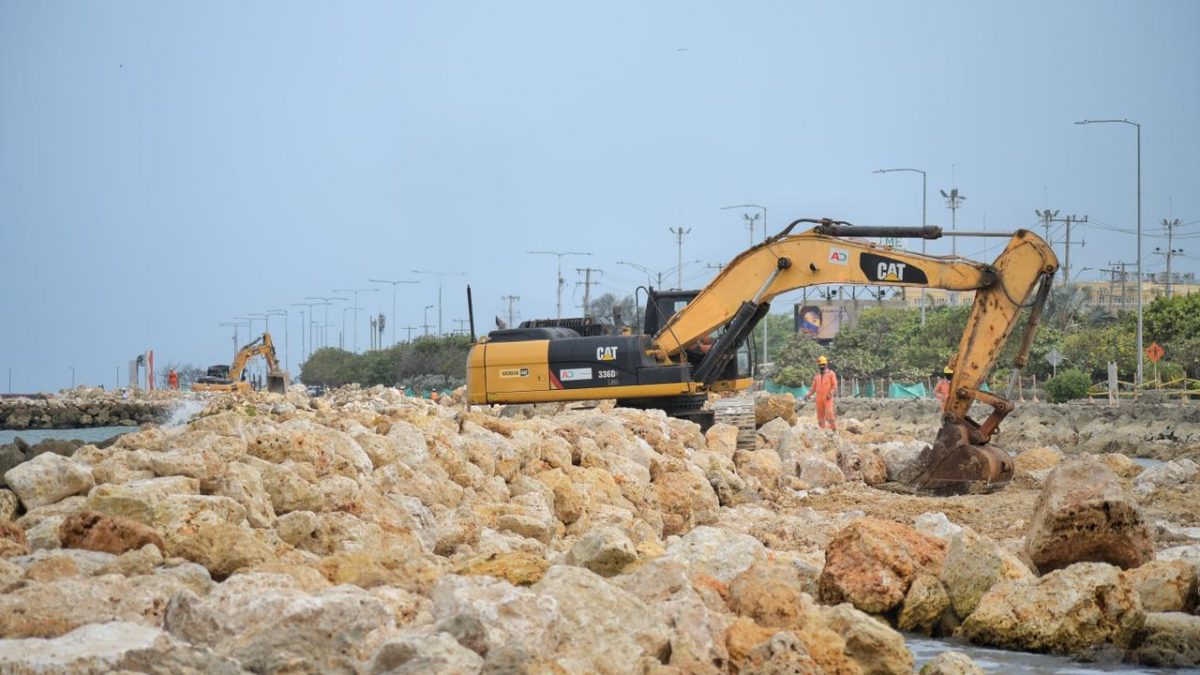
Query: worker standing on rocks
column 941, row 391
column 172, row 379
column 824, row 386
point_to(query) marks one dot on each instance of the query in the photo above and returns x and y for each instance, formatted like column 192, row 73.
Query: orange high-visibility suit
column 172, row 380
column 941, row 391
column 824, row 386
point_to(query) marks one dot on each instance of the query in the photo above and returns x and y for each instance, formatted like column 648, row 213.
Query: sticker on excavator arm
column 838, row 256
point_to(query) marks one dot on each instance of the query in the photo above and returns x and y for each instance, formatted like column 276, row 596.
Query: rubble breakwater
column 78, row 408
column 368, row 532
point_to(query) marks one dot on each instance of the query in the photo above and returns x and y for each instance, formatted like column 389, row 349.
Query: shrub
column 1070, row 384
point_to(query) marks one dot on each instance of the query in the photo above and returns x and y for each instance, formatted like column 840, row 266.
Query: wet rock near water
column 87, row 407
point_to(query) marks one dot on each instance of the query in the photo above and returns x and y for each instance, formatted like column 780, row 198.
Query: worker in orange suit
column 172, row 379
column 941, row 391
column 824, row 386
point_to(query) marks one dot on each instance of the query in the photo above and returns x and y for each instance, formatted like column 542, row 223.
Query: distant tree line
column 423, row 363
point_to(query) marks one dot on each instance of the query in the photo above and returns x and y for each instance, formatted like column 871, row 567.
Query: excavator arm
column 961, row 458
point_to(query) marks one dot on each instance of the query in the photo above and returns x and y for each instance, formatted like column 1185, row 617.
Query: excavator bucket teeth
column 955, row 466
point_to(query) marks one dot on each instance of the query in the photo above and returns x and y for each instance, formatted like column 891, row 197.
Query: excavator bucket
column 954, row 465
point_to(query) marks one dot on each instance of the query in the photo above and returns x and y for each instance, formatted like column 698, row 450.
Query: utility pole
column 439, row 276
column 954, row 200
column 587, row 286
column 1049, row 217
column 561, row 281
column 461, row 323
column 410, row 329
column 679, row 233
column 511, row 300
column 1170, row 226
column 394, row 284
column 425, row 323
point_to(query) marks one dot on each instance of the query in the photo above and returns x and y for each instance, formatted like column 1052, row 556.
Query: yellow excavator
column 233, row 377
column 696, row 343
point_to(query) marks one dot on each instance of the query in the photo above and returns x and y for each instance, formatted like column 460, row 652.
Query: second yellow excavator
column 232, row 377
column 696, row 345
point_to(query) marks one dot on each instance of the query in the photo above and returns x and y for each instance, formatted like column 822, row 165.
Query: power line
column 587, row 284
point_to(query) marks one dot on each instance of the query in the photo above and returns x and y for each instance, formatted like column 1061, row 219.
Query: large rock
column 1084, row 515
column 416, row 653
column 784, row 652
column 1165, row 585
column 111, row 647
column 268, row 624
column 871, row 563
column 772, row 593
column 695, row 614
column 1174, row 472
column 603, row 550
column 1065, row 612
column 1169, row 640
column 870, row 643
column 864, row 464
column 771, row 406
column 13, row 541
column 685, row 500
column 489, row 615
column 975, row 563
column 47, row 479
column 820, row 472
column 924, row 606
column 603, row 628
column 97, row 532
column 9, row 504
column 224, row 548
column 951, row 663
column 715, row 552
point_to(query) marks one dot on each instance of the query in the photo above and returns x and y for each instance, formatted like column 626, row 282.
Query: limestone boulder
column 1037, row 459
column 9, row 504
column 1168, row 640
column 695, row 614
column 951, row 663
column 772, row 432
column 415, row 652
column 685, row 500
column 820, row 472
column 603, row 550
column 863, row 463
column 1064, row 612
column 1174, row 472
column 763, row 466
column 870, row 643
column 925, row 606
column 871, row 563
column 1120, row 464
column 783, row 652
column 774, row 406
column 1165, row 585
column 900, row 457
column 1083, row 514
column 94, row 531
column 715, row 552
column 13, row 541
column 520, row 568
column 224, row 548
column 111, row 647
column 603, row 628
column 975, row 563
column 47, row 479
column 268, row 624
column 489, row 615
column 772, row 593
column 244, row 484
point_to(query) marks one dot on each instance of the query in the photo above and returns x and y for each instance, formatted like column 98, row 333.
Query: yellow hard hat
column 948, row 370
column 821, row 361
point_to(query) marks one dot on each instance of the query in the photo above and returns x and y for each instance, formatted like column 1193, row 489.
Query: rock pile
column 87, row 407
column 364, row 531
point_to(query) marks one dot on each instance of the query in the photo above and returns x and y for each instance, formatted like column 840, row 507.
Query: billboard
column 821, row 322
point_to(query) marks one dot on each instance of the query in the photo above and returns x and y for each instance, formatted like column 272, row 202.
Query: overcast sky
column 167, row 166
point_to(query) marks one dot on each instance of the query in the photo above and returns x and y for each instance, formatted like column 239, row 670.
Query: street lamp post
column 750, row 221
column 652, row 275
column 394, row 284
column 342, row 335
column 266, row 320
column 924, row 201
column 425, row 321
column 287, row 348
column 439, row 276
column 766, row 319
column 355, row 291
column 327, row 301
column 559, row 254
column 1140, row 363
column 306, row 326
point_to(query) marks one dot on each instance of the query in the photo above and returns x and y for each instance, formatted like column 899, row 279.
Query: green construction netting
column 780, row 389
column 907, row 390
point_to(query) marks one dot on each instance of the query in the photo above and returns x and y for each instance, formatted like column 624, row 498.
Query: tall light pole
column 342, row 335
column 287, row 347
column 266, row 320
column 652, row 275
column 924, row 202
column 766, row 319
column 560, row 254
column 394, row 284
column 750, row 221
column 679, row 233
column 306, row 326
column 249, row 324
column 327, row 301
column 425, row 322
column 355, row 291
column 439, row 276
column 1137, row 126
